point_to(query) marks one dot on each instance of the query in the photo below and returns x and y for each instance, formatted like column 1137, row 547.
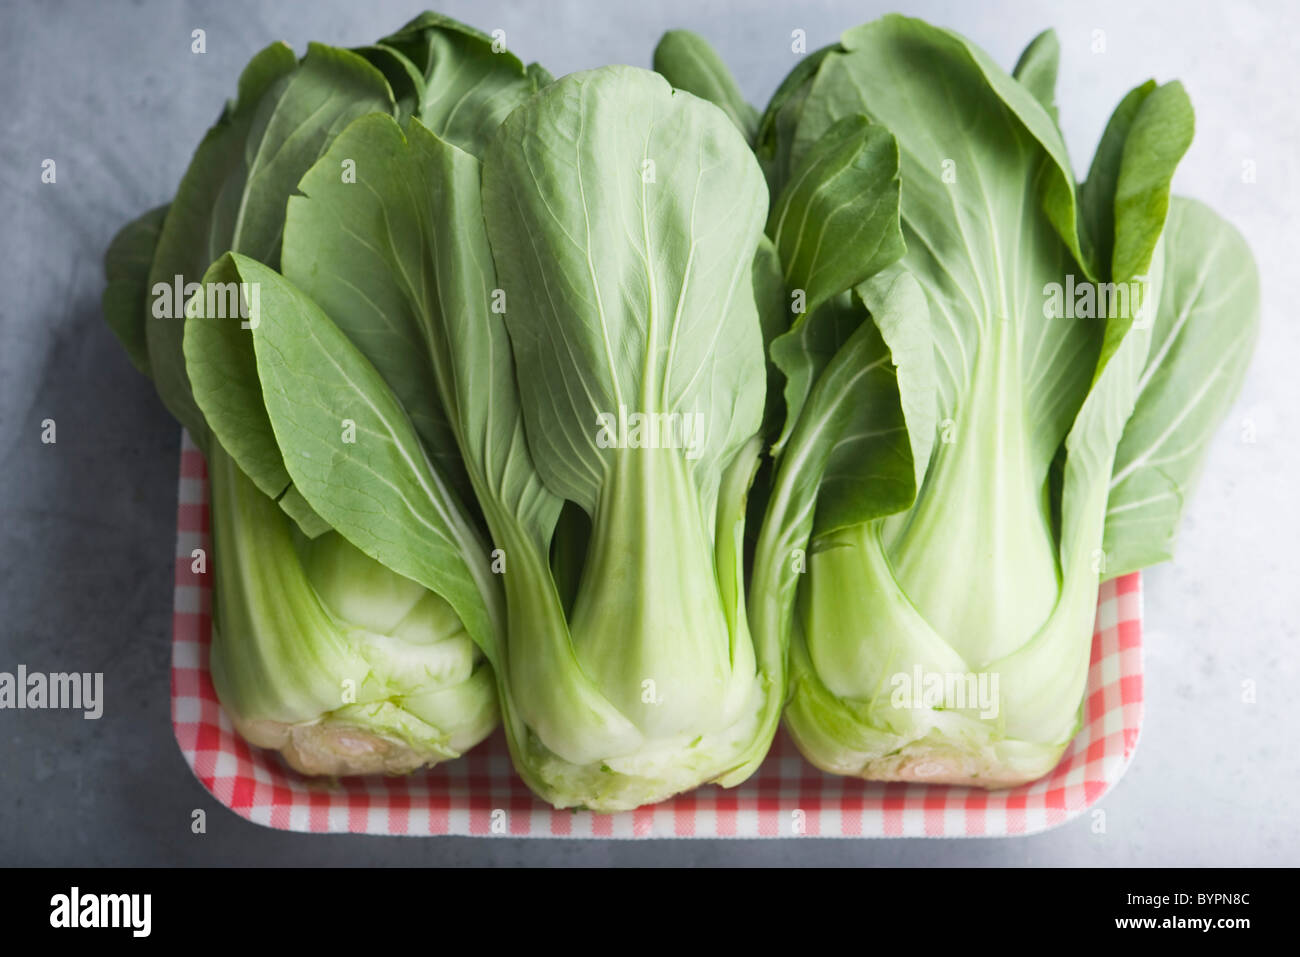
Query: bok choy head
column 1000, row 419
column 317, row 650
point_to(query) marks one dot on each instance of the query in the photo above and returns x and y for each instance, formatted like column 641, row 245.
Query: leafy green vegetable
column 836, row 223
column 649, row 291
column 232, row 196
column 688, row 62
column 126, row 267
column 1037, row 68
column 464, row 86
column 318, row 650
column 1204, row 333
column 776, row 127
column 941, row 545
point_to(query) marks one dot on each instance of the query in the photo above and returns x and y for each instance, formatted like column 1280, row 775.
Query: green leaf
column 774, row 319
column 293, row 504
column 223, row 372
column 1160, row 136
column 126, row 297
column 879, row 461
column 870, row 472
column 776, row 128
column 802, row 354
column 469, row 87
column 539, row 75
column 1204, row 333
column 1097, row 193
column 222, row 369
column 770, row 292
column 404, row 78
column 233, row 194
column 1126, row 197
column 1043, row 676
column 377, row 488
column 981, row 278
column 401, row 258
column 403, row 253
column 187, row 244
column 290, row 128
column 958, row 76
column 1037, row 68
column 623, row 221
column 1050, row 670
column 836, row 222
column 689, row 62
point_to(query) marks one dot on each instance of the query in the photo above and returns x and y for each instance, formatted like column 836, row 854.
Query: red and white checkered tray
column 479, row 794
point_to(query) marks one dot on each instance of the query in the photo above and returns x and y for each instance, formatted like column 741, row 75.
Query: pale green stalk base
column 345, row 743
column 954, row 750
column 381, row 680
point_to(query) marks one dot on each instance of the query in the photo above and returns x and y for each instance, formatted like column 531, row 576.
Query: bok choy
column 318, row 651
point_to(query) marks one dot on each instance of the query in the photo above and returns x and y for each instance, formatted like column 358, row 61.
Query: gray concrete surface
column 112, row 92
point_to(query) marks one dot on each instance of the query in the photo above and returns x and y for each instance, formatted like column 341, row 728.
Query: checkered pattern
column 480, row 795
